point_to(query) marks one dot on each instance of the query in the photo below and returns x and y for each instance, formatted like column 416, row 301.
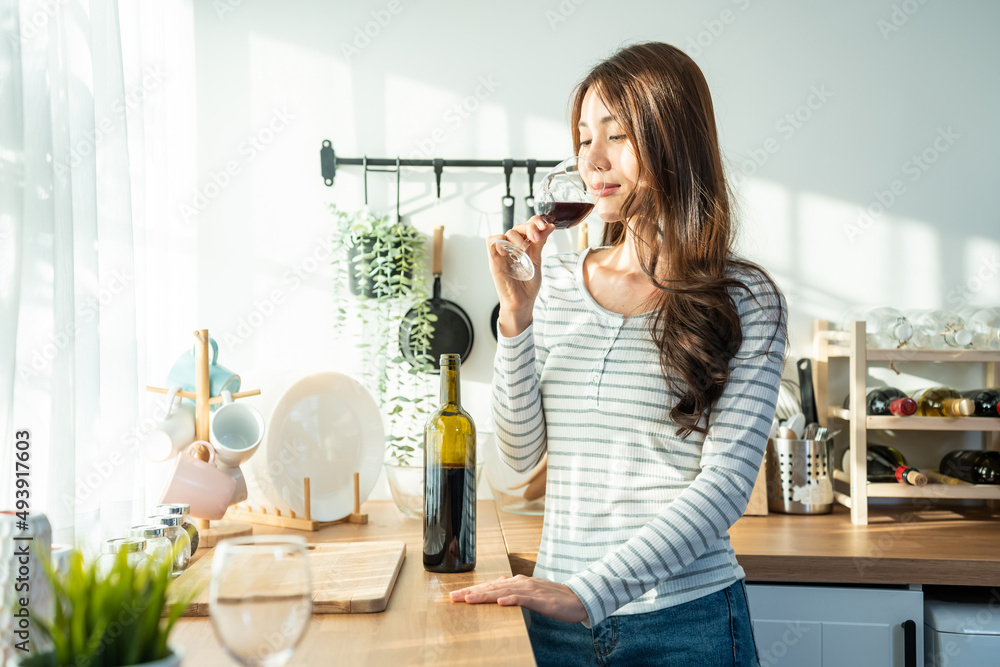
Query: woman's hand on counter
column 548, row 598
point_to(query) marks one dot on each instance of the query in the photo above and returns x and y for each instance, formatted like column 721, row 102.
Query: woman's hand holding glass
column 567, row 196
column 517, row 296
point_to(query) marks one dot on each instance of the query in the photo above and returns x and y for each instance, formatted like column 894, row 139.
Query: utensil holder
column 800, row 476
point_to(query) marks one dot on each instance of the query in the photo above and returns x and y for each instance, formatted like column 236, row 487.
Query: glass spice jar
column 184, row 510
column 180, row 543
column 157, row 544
column 134, row 547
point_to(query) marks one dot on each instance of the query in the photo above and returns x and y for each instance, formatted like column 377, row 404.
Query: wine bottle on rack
column 885, row 328
column 942, row 402
column 984, row 324
column 450, row 479
column 886, row 464
column 971, row 465
column 985, row 401
column 939, row 330
column 887, row 401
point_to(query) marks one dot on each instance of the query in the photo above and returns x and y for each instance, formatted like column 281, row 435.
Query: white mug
column 199, row 484
column 174, row 432
column 236, row 430
column 240, row 492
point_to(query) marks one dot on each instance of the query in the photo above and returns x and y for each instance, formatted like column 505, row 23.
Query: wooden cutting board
column 347, row 577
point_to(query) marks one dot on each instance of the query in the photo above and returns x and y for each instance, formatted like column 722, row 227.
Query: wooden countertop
column 959, row 547
column 420, row 625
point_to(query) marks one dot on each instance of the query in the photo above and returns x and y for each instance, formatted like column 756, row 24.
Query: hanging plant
column 379, row 273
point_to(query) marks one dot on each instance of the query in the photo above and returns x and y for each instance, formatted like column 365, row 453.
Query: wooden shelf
column 886, row 423
column 977, row 356
column 935, row 423
column 944, row 491
column 949, row 491
column 850, row 345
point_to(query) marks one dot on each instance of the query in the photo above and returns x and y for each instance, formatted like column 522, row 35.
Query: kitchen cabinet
column 835, row 626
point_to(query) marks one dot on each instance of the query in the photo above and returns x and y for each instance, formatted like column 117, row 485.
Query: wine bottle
column 984, row 324
column 985, row 401
column 887, row 401
column 939, row 330
column 976, row 466
column 942, row 402
column 450, row 479
column 885, row 328
column 886, row 464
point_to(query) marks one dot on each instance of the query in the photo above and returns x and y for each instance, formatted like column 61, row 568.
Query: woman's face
column 603, row 142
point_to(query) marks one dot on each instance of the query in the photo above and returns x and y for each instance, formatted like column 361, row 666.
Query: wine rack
column 851, row 345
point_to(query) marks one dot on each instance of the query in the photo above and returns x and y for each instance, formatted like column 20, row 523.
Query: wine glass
column 568, row 195
column 260, row 597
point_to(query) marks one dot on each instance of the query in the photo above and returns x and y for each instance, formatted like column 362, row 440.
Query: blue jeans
column 712, row 631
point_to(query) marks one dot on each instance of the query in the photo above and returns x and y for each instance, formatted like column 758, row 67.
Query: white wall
column 889, row 92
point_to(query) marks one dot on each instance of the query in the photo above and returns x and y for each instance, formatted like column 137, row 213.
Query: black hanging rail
column 329, row 162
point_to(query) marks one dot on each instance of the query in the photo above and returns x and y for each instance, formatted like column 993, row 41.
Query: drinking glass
column 568, row 195
column 260, row 598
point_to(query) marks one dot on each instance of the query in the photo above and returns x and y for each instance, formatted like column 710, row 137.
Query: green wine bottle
column 450, row 479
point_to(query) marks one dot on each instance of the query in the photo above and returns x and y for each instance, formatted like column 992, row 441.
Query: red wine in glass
column 564, row 214
column 566, row 198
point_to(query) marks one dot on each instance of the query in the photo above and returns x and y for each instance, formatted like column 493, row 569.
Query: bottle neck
column 451, row 393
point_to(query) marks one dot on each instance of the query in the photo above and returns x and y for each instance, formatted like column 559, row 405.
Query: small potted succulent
column 113, row 619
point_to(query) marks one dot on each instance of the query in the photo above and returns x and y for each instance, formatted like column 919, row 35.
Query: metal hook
column 508, row 169
column 398, row 170
column 438, row 169
column 364, row 163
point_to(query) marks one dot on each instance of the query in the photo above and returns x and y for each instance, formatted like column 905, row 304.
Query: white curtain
column 79, row 172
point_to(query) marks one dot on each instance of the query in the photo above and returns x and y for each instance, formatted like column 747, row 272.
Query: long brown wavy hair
column 680, row 217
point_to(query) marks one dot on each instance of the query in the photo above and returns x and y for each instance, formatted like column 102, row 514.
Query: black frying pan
column 453, row 328
column 508, row 224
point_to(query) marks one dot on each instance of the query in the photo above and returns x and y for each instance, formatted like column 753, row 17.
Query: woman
column 648, row 371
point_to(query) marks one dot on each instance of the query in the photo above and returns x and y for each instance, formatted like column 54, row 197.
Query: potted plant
column 379, row 274
column 109, row 620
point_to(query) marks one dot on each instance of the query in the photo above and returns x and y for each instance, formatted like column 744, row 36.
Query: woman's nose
column 598, row 155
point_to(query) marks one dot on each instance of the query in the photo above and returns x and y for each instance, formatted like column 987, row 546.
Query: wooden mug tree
column 210, row 534
column 213, row 533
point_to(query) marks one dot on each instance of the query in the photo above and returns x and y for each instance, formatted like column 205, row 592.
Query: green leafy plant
column 379, row 275
column 111, row 620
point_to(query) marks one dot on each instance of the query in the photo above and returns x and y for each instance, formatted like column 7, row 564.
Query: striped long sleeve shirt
column 636, row 517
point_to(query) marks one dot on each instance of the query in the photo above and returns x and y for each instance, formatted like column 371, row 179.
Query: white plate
column 325, row 427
